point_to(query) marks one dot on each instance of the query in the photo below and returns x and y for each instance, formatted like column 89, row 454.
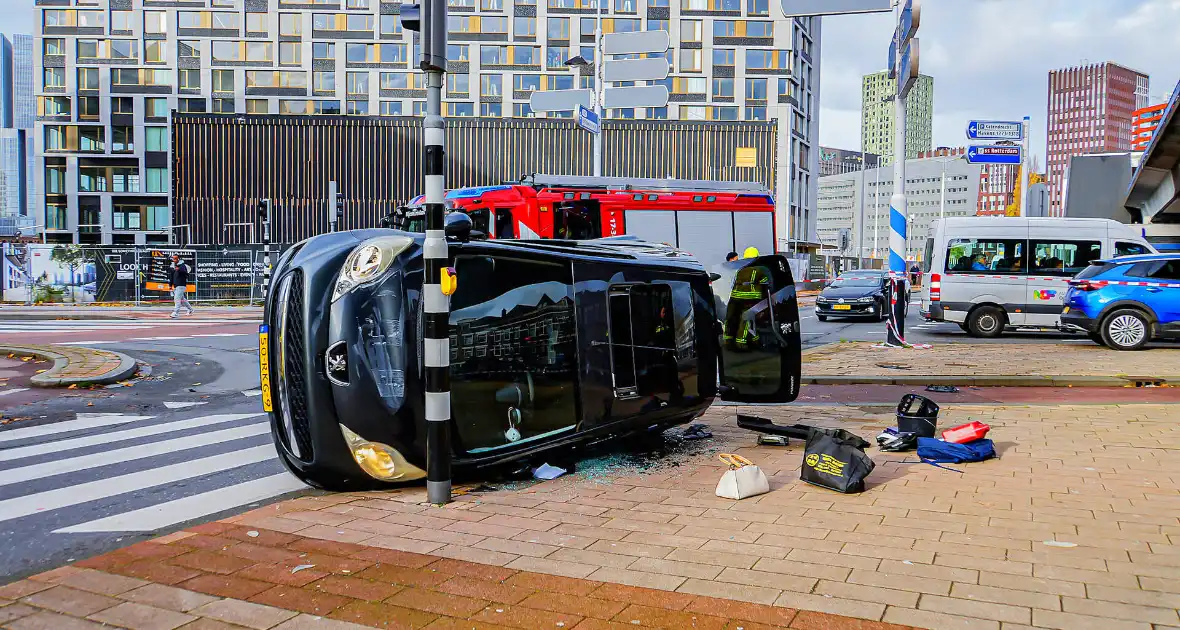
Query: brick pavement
column 75, row 364
column 1075, row 526
column 989, row 359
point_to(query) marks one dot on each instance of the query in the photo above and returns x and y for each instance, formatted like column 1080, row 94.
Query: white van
column 988, row 273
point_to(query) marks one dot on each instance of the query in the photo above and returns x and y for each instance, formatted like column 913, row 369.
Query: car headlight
column 380, row 461
column 368, row 262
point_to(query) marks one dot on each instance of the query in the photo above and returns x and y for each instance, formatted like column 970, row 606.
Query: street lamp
column 942, row 197
column 580, row 62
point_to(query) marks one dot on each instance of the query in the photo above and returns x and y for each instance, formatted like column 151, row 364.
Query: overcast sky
column 990, row 59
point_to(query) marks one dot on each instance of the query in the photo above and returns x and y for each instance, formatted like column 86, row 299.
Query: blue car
column 1126, row 302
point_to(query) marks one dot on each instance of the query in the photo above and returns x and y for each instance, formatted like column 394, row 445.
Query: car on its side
column 1126, row 302
column 860, row 293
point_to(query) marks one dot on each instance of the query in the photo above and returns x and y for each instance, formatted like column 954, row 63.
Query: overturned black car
column 553, row 344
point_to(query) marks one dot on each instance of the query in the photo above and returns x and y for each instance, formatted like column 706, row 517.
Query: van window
column 986, row 256
column 929, row 256
column 1123, row 248
column 1063, row 258
column 642, row 338
column 505, row 227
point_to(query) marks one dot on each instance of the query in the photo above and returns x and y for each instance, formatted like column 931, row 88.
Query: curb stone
column 994, row 381
column 50, row 378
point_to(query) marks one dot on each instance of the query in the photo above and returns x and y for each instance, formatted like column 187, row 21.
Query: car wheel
column 1096, row 338
column 986, row 321
column 1126, row 330
column 822, row 318
column 882, row 312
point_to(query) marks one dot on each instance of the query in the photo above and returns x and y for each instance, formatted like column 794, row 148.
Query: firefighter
column 749, row 288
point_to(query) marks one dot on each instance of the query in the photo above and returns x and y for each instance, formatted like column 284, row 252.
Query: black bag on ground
column 836, row 459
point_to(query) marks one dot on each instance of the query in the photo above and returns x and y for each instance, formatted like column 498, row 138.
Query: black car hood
column 849, row 292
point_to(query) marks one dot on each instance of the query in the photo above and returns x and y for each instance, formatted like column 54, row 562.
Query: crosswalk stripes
column 94, row 475
column 79, row 326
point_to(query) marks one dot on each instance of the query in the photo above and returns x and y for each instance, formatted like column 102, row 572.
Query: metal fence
column 39, row 273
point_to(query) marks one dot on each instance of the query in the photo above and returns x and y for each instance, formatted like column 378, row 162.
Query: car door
column 760, row 350
column 1164, row 300
column 1052, row 262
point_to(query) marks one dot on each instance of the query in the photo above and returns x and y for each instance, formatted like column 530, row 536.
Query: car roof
column 1137, row 258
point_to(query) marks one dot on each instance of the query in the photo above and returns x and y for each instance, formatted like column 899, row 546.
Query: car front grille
column 294, row 365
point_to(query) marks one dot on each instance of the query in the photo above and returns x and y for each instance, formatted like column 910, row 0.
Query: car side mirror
column 714, row 277
column 458, row 226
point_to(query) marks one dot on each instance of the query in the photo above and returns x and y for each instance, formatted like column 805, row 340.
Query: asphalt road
column 85, row 471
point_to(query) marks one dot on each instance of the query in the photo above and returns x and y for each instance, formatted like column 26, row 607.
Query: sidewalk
column 75, row 365
column 990, row 364
column 1076, row 526
column 60, row 311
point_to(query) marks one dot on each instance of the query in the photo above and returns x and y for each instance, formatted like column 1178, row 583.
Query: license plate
column 842, row 307
column 264, row 366
column 1065, row 310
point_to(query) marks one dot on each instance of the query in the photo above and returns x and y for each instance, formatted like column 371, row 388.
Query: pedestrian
column 178, row 279
column 915, row 271
column 731, row 256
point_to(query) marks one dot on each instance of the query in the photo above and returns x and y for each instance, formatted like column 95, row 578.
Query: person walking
column 178, row 279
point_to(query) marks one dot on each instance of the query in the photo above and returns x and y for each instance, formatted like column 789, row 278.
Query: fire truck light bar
column 539, row 180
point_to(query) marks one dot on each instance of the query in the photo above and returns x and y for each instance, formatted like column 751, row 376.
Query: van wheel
column 1126, row 330
column 986, row 321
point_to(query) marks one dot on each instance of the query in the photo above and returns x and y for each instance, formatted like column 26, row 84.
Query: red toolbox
column 966, row 433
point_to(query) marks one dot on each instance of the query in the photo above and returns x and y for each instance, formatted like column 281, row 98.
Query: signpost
column 799, row 8
column 588, row 120
column 995, row 130
column 993, row 155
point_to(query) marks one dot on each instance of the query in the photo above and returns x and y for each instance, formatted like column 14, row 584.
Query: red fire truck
column 705, row 218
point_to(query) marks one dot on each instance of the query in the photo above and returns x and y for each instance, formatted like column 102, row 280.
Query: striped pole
column 898, row 215
column 264, row 207
column 437, row 306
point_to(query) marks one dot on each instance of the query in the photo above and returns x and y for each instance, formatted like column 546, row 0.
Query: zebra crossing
column 153, row 330
column 111, row 473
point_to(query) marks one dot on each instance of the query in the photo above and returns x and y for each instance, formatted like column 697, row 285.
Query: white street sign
column 635, row 43
column 643, row 96
column 798, row 8
column 559, row 100
column 654, row 69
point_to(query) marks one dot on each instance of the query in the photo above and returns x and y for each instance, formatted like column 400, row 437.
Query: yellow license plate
column 842, row 307
column 1065, row 310
column 264, row 367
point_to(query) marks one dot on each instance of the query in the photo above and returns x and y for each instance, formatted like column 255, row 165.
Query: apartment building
column 17, row 158
column 877, row 131
column 1090, row 111
column 834, row 161
column 112, row 71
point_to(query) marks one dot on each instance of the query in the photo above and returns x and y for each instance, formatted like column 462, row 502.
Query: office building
column 1144, row 122
column 1090, row 111
column 110, row 73
column 839, row 161
column 877, row 111
column 16, row 127
column 841, row 196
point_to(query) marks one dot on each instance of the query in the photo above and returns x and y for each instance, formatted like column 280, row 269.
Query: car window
column 856, row 282
column 1123, row 248
column 986, row 256
column 1099, row 268
column 1062, row 258
column 1170, row 270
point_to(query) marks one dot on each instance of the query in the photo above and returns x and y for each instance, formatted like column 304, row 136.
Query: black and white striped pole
column 430, row 20
column 264, row 217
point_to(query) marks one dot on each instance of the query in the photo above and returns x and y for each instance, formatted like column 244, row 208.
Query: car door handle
column 1154, row 289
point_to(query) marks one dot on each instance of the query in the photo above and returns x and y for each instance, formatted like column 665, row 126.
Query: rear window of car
column 1095, row 269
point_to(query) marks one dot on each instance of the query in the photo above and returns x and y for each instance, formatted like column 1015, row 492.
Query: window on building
column 291, row 24
column 558, row 28
column 522, row 110
column 491, row 85
column 125, row 179
column 122, row 20
column 723, row 88
column 461, row 110
column 188, row 49
column 92, row 179
column 125, row 218
column 556, row 56
column 354, row 23
column 190, row 79
column 257, row 23
column 458, row 85
column 323, row 51
column 690, row 31
column 756, row 89
column 290, row 53
column 191, row 105
column 491, row 5
column 358, row 82
column 323, row 81
column 53, row 106
column 690, row 60
column 154, row 51
column 758, row 59
column 156, row 180
column 54, row 77
column 357, row 108
column 223, row 106
column 122, row 139
column 391, row 25
column 391, row 108
column 155, row 22
column 223, row 80
column 55, row 216
column 257, row 106
column 53, row 46
column 491, row 110
column 88, row 79
column 92, row 139
column 755, row 113
column 276, row 79
column 524, row 26
column 155, row 107
column 458, row 52
column 419, row 108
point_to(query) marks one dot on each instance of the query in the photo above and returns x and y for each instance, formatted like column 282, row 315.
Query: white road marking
column 84, row 421
column 131, row 453
column 186, row 509
column 222, row 334
column 15, row 390
column 181, row 405
column 250, row 393
column 86, row 343
column 117, row 436
column 155, row 338
column 112, row 486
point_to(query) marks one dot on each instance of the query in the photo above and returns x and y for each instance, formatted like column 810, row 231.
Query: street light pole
column 598, row 92
column 898, row 215
column 860, row 224
column 876, row 206
column 942, row 196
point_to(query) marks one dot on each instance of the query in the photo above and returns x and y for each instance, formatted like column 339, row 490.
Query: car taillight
column 935, row 287
column 1085, row 285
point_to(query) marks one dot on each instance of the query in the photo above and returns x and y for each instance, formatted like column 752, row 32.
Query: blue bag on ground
column 939, row 452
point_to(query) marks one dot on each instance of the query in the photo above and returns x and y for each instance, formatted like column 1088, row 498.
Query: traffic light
column 429, row 20
column 264, row 210
column 339, row 207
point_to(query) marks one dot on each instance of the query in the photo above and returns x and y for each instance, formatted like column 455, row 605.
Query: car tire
column 1096, row 337
column 882, row 312
column 822, row 318
column 1126, row 329
column 987, row 322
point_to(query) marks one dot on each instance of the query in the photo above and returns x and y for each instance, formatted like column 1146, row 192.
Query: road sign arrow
column 654, row 69
column 971, row 129
column 635, row 43
column 559, row 100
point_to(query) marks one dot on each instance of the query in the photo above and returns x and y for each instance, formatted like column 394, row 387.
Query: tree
column 71, row 256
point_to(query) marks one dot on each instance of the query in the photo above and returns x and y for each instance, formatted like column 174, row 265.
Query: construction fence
column 40, row 273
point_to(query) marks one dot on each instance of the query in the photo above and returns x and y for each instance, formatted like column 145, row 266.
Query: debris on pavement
column 942, row 389
column 546, row 472
column 773, row 440
column 302, row 567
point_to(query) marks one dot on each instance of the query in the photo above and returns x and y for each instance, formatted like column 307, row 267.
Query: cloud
column 991, row 58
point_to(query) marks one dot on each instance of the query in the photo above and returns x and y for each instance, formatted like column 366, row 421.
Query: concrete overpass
column 1154, row 193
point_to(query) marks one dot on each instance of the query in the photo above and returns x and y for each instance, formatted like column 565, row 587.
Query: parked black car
column 553, row 344
column 862, row 293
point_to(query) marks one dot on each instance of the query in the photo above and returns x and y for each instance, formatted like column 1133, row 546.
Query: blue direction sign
column 993, row 155
column 588, row 120
column 995, row 130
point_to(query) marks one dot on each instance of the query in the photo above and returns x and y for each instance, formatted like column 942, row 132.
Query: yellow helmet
column 751, row 252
